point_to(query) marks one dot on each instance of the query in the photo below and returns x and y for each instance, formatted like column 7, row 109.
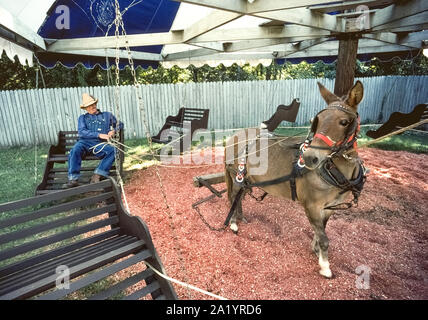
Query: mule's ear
column 327, row 95
column 355, row 95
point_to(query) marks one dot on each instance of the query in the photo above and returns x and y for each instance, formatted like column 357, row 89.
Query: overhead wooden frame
column 301, row 25
column 291, row 28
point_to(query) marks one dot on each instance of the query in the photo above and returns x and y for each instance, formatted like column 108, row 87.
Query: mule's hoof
column 234, row 227
column 326, row 273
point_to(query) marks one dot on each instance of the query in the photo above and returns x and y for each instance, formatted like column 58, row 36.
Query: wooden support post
column 346, row 63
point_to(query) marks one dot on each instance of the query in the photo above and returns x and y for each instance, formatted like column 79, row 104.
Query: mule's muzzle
column 313, row 158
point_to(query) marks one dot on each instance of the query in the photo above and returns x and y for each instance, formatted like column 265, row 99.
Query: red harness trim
column 326, row 139
column 331, row 143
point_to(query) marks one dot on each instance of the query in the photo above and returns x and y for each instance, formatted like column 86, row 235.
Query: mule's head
column 333, row 126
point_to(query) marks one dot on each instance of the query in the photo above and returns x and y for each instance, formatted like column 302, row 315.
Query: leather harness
column 328, row 171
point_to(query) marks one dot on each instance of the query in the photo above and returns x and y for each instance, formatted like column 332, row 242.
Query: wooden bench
column 187, row 118
column 398, row 120
column 83, row 233
column 54, row 177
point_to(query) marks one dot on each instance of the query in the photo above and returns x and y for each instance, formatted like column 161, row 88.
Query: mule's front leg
column 237, row 216
column 318, row 219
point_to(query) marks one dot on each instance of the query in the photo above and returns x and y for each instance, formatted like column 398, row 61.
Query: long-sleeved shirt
column 89, row 126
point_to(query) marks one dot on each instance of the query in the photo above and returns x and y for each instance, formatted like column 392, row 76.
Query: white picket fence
column 36, row 116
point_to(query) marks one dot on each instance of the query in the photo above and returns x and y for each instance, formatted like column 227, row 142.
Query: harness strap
column 332, row 175
column 233, row 207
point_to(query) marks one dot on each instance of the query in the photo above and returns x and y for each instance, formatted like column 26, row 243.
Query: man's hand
column 111, row 133
column 104, row 136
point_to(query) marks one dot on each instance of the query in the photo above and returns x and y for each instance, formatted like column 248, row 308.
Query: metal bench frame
column 91, row 252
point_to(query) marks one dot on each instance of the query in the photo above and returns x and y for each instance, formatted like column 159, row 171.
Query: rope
column 188, row 286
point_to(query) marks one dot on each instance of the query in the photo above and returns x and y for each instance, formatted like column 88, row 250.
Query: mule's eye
column 344, row 122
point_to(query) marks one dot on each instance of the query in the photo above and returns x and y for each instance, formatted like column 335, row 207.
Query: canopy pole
column 346, row 64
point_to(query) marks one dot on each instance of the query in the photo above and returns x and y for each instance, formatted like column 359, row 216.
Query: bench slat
column 81, row 283
column 41, row 213
column 54, row 196
column 122, row 285
column 54, row 158
column 16, row 235
column 12, row 252
column 75, row 271
column 37, row 273
column 144, row 291
column 17, row 266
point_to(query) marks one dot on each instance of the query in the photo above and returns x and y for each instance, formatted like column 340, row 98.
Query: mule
column 334, row 131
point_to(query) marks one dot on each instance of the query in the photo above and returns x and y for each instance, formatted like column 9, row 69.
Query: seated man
column 94, row 127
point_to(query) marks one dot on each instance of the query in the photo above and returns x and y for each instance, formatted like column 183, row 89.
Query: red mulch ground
column 270, row 258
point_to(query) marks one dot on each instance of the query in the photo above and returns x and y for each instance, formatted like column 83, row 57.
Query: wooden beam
column 304, row 45
column 111, row 53
column 415, row 36
column 412, row 40
column 397, row 12
column 274, row 5
column 316, row 51
column 133, row 40
column 243, row 6
column 261, row 43
column 415, row 22
column 215, row 46
column 176, row 37
column 11, row 23
column 208, row 23
column 305, row 18
column 419, row 27
column 348, row 5
column 286, row 11
column 260, row 33
column 232, row 47
column 354, row 14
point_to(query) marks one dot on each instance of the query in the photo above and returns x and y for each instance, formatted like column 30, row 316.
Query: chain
column 258, row 199
column 196, row 208
column 119, row 21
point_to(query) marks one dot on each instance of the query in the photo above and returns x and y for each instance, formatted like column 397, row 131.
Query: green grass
column 19, row 176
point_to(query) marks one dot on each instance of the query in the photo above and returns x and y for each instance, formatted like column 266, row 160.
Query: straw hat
column 87, row 100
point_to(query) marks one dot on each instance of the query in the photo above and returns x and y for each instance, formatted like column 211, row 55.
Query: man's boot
column 71, row 184
column 95, row 178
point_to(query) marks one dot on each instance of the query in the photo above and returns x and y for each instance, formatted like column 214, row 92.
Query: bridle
column 337, row 147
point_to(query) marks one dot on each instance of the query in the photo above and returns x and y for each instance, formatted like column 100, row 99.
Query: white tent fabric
column 188, row 15
column 23, row 13
column 25, row 56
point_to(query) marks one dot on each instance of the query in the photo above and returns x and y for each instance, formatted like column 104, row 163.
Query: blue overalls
column 89, row 127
